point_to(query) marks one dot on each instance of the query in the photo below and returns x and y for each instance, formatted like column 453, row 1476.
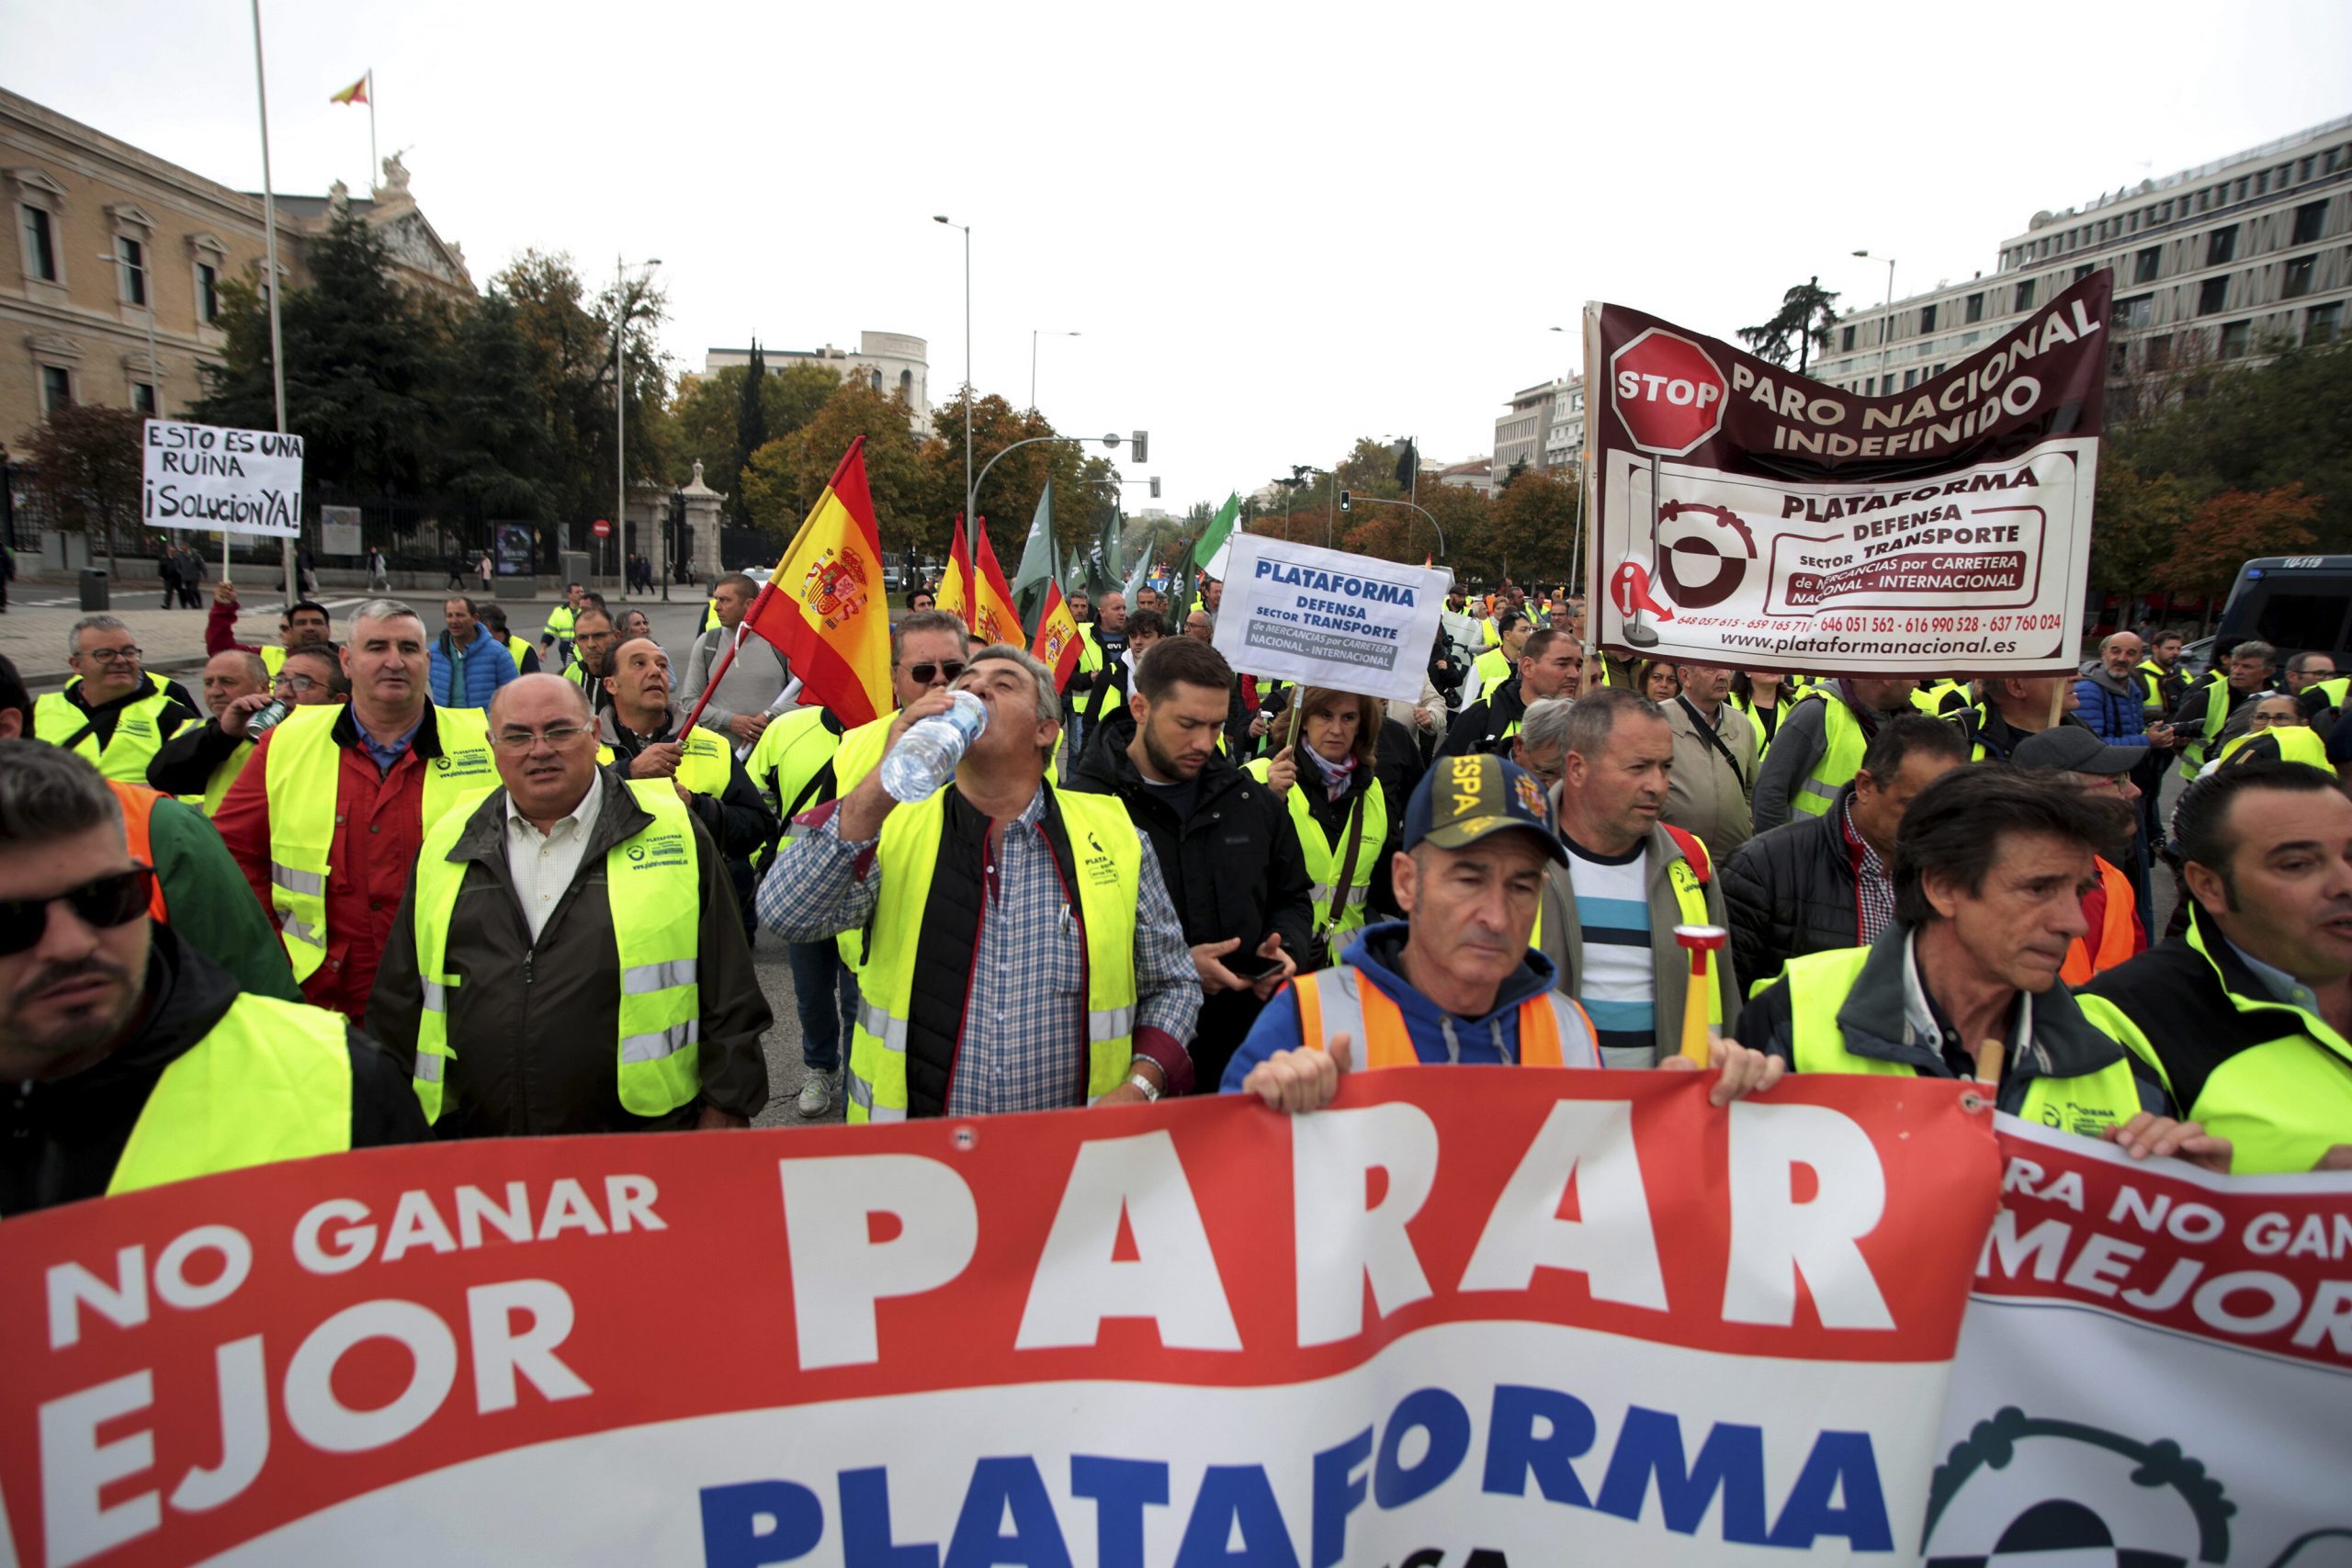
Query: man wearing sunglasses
column 566, row 960
column 326, row 820
column 112, row 713
column 205, row 758
column 803, row 762
column 128, row 1059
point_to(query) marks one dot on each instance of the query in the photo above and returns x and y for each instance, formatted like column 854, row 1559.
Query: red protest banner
column 1561, row 1314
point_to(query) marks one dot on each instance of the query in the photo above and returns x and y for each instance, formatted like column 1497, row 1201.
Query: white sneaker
column 816, row 1094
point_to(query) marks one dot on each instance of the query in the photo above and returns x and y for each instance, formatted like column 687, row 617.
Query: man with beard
column 1233, row 865
column 126, row 1058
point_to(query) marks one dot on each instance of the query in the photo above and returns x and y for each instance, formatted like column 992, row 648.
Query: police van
column 2296, row 603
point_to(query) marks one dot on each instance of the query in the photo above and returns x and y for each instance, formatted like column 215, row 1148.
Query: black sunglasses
column 111, row 900
column 947, row 668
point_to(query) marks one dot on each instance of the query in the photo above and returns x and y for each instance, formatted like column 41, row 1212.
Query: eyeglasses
column 106, row 902
column 945, row 669
column 115, row 655
column 557, row 736
column 298, row 684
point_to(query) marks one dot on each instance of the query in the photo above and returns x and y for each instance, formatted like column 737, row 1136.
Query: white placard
column 1328, row 618
column 207, row 475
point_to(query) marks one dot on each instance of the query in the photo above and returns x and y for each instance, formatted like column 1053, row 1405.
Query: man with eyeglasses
column 113, row 714
column 305, row 624
column 804, row 761
column 128, row 1059
column 205, row 758
column 566, row 960
column 326, row 820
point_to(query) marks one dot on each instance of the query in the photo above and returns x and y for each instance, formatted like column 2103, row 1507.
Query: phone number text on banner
column 1548, row 1315
column 1747, row 516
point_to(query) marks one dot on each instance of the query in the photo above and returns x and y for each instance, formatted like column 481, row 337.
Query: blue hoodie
column 1375, row 953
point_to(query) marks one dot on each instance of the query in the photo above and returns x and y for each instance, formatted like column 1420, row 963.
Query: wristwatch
column 1150, row 1091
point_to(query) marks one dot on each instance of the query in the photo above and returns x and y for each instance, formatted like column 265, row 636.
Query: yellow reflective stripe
column 437, row 996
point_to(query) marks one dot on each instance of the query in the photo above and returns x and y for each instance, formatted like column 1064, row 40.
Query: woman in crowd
column 1348, row 824
column 1656, row 680
column 1764, row 698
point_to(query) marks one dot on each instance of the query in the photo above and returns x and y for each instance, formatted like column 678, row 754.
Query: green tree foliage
column 750, row 422
column 2280, row 423
column 1009, row 498
column 497, row 464
column 2138, row 520
column 784, row 477
column 1800, row 325
column 700, row 423
column 367, row 366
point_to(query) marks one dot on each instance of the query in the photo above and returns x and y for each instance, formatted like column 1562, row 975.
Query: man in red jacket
column 306, row 624
column 327, row 817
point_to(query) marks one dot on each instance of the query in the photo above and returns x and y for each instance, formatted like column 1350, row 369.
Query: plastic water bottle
column 926, row 755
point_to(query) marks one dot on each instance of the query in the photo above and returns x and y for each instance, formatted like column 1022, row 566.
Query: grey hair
column 90, row 623
column 2113, row 638
column 1049, row 702
column 927, row 621
column 254, row 669
column 385, row 610
column 48, row 793
column 2251, row 650
column 1596, row 714
column 1545, row 726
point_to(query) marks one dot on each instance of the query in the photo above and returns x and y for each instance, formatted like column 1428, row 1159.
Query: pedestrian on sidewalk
column 486, row 567
column 379, row 576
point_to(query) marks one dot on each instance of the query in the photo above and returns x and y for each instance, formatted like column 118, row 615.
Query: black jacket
column 61, row 1140
column 1233, row 867
column 184, row 764
column 738, row 820
column 535, row 1022
column 1485, row 726
column 1790, row 892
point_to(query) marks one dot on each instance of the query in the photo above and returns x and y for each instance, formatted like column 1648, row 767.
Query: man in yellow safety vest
column 112, row 713
column 128, row 1059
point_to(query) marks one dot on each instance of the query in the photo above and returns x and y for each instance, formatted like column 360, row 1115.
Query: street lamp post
column 1035, row 334
column 620, row 391
column 971, row 515
column 970, row 486
column 1408, row 506
column 1887, row 321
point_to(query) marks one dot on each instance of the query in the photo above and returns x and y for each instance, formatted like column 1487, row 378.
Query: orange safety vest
column 138, row 809
column 1382, row 1041
column 2115, row 941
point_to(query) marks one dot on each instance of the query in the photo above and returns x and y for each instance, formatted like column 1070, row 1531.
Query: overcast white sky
column 1277, row 227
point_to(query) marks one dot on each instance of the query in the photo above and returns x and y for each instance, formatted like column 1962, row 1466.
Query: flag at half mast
column 825, row 606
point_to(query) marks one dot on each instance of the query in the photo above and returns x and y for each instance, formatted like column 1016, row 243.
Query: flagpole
column 276, row 336
column 726, row 658
column 374, row 169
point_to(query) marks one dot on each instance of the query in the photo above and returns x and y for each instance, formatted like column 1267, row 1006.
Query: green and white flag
column 1212, row 537
column 1039, row 565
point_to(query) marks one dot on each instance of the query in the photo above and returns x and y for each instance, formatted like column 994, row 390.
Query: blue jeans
column 824, row 993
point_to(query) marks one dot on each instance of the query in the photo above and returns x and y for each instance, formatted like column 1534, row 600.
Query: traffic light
column 1343, row 501
column 1155, row 487
column 1142, row 453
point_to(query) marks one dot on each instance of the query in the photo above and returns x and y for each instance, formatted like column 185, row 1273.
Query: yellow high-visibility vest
column 270, row 1081
column 1109, row 872
column 301, row 780
column 137, row 733
column 653, row 885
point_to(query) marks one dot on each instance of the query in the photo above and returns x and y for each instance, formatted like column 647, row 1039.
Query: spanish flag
column 1057, row 646
column 825, row 606
column 955, row 588
column 993, row 618
column 354, row 93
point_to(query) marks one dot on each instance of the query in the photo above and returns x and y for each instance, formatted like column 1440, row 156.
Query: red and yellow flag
column 825, row 606
column 354, row 93
column 955, row 588
column 993, row 617
column 1056, row 647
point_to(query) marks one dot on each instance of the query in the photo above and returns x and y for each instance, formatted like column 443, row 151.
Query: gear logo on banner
column 2025, row 1489
column 1693, row 536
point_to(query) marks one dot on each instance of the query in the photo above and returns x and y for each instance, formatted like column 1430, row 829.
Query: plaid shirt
column 1873, row 888
column 1022, row 1048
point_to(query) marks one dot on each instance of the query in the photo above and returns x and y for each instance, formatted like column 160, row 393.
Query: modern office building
column 2228, row 261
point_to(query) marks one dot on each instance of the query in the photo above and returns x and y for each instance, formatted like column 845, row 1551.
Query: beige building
column 113, row 248
column 2225, row 261
column 889, row 362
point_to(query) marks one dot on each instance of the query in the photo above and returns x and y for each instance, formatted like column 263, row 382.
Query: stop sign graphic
column 601, row 528
column 1668, row 392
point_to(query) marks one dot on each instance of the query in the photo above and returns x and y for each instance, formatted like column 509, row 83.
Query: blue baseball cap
column 1464, row 799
